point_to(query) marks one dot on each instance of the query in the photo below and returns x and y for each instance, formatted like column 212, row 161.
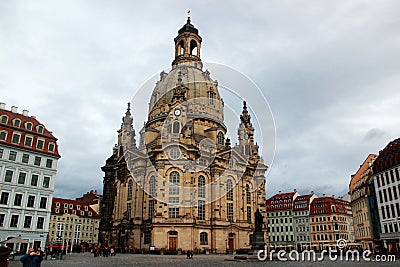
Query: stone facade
column 360, row 204
column 183, row 186
column 330, row 221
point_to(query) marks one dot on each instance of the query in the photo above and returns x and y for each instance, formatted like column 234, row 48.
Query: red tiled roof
column 323, row 205
column 282, row 201
column 388, row 157
column 74, row 204
column 302, row 199
column 10, row 128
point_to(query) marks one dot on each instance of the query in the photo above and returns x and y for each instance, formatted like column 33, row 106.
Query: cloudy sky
column 329, row 69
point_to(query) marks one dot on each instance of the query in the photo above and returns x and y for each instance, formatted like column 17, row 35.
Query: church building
column 183, row 185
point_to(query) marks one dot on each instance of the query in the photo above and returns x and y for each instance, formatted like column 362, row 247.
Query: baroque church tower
column 183, row 185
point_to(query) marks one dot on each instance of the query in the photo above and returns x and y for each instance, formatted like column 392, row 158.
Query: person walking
column 30, row 259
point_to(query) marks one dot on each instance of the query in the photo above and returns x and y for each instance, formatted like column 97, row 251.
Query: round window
column 175, row 153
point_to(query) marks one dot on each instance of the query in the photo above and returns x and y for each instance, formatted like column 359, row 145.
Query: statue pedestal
column 258, row 241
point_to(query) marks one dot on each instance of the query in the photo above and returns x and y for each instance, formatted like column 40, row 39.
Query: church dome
column 187, row 84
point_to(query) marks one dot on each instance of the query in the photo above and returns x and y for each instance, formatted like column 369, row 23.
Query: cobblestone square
column 136, row 260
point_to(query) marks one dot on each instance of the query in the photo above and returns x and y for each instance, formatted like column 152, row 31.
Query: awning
column 14, row 240
column 354, row 244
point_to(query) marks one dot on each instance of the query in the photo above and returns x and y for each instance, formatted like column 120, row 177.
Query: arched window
column 4, row 119
column 201, row 186
column 229, row 190
column 211, row 98
column 40, row 129
column 174, row 181
column 193, row 48
column 176, row 127
column 248, row 195
column 153, row 186
column 231, row 163
column 220, row 138
column 129, row 195
column 181, row 48
column 28, row 126
column 203, row 238
column 17, row 122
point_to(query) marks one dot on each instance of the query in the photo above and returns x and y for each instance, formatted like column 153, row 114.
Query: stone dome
column 200, row 92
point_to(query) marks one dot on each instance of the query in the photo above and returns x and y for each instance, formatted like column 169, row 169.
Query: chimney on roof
column 14, row 109
column 295, row 190
column 333, row 196
column 2, row 105
column 279, row 192
column 312, row 192
column 25, row 112
column 323, row 195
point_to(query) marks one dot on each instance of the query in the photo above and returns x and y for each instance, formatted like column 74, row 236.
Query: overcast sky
column 329, row 69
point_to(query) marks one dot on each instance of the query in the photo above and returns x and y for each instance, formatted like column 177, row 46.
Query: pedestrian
column 191, row 254
column 40, row 253
column 30, row 259
column 112, row 251
column 188, row 254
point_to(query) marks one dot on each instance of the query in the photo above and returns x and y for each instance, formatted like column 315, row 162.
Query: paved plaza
column 136, row 260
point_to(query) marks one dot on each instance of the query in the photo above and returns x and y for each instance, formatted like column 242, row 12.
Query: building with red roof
column 386, row 178
column 28, row 167
column 330, row 220
column 280, row 219
column 301, row 220
column 74, row 225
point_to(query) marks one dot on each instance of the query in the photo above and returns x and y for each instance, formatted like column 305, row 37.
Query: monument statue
column 259, row 220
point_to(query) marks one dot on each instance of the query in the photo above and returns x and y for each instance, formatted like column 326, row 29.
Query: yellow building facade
column 74, row 226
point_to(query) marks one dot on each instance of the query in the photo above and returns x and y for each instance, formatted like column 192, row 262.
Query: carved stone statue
column 258, row 221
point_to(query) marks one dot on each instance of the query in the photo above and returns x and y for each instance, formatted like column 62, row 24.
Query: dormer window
column 17, row 122
column 28, row 141
column 40, row 129
column 51, row 147
column 16, row 138
column 28, row 126
column 3, row 135
column 40, row 144
column 4, row 119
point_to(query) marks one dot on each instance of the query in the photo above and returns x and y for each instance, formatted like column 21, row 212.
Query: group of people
column 32, row 258
column 105, row 252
